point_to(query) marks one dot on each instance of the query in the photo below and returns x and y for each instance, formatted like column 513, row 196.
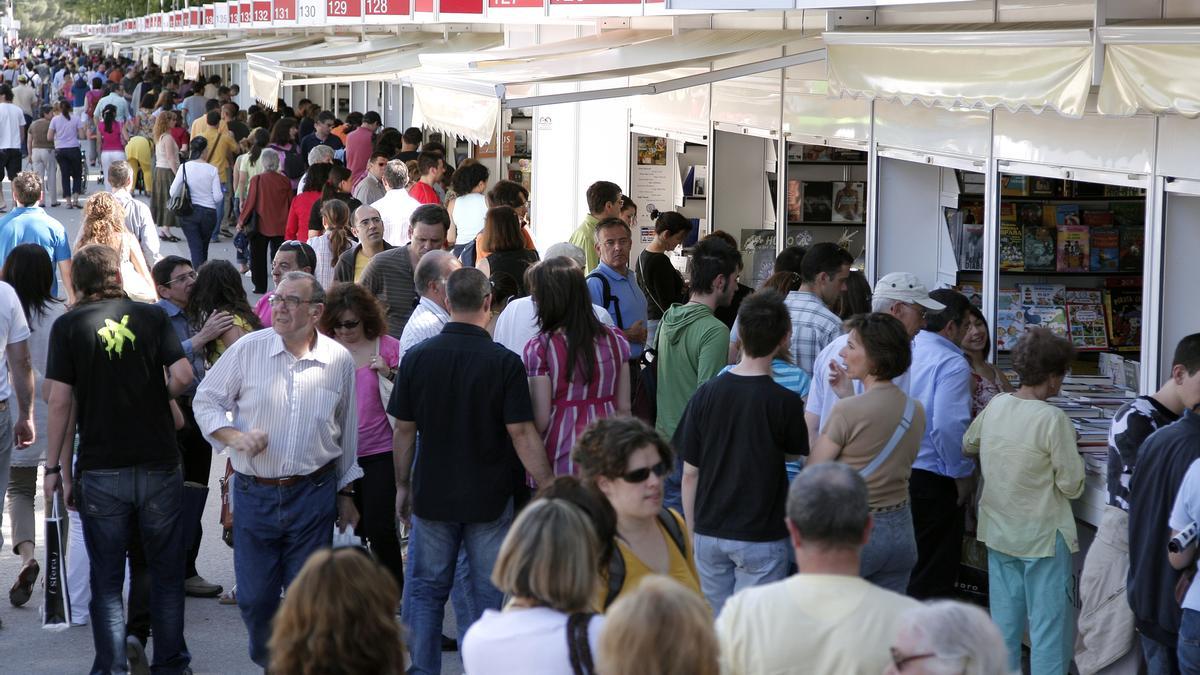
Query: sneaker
column 135, row 651
column 197, row 587
column 229, row 597
column 22, row 588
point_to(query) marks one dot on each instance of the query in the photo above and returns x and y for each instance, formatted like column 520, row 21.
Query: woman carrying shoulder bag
column 264, row 216
column 204, row 190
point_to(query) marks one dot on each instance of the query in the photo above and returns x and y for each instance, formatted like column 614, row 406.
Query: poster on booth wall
column 651, row 185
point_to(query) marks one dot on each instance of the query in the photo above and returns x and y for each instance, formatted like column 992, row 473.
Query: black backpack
column 616, row 564
column 607, row 299
column 292, row 163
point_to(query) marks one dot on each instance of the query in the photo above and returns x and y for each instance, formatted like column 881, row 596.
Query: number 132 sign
column 343, row 11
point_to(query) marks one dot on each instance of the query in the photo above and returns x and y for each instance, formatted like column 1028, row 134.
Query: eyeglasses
column 291, row 301
column 346, row 325
column 186, row 276
column 900, row 659
column 640, row 475
column 919, row 309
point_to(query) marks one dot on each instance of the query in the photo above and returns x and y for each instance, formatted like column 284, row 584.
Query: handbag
column 56, row 612
column 227, row 505
column 385, row 389
column 181, row 205
column 250, row 224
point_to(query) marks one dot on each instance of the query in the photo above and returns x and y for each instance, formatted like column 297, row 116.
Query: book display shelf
column 826, row 197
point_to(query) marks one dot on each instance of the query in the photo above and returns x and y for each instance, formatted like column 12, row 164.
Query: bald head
column 433, row 269
column 368, row 226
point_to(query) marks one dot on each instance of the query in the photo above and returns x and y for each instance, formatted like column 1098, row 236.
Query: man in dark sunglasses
column 826, row 617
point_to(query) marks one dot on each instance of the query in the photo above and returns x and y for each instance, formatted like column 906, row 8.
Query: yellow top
column 681, row 567
column 584, row 237
column 219, row 345
column 360, row 264
column 1031, row 472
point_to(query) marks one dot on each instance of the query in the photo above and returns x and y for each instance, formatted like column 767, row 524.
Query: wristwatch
column 346, row 493
column 53, row 469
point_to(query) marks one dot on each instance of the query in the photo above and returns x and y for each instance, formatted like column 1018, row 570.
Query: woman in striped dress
column 578, row 367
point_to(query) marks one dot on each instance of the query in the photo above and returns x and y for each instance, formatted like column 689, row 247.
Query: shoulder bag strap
column 646, row 284
column 671, row 525
column 901, row 429
column 579, row 648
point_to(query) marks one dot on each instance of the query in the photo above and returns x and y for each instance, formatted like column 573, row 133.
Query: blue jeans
column 1034, row 591
column 1189, row 642
column 890, row 555
column 275, row 529
column 433, row 551
column 115, row 501
column 673, row 489
column 727, row 566
column 1160, row 658
column 198, row 226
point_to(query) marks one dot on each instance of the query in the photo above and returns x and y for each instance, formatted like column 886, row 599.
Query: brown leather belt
column 292, row 480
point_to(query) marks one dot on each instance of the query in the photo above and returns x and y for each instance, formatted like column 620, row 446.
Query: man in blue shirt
column 30, row 224
column 116, row 100
column 613, row 286
column 942, row 479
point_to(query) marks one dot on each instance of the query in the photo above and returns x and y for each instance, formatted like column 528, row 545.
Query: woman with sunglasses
column 626, row 459
column 354, row 318
column 578, row 367
column 878, row 433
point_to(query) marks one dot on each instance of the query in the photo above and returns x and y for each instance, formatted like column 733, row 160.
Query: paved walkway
column 215, row 634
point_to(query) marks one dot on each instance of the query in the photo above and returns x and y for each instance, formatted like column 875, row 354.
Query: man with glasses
column 293, row 442
column 433, row 310
column 613, row 286
column 825, row 617
column 389, row 275
column 397, row 206
column 367, row 227
column 370, row 189
column 292, row 256
column 900, row 294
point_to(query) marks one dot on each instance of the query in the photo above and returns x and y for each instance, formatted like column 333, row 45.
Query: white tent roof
column 1150, row 67
column 237, row 52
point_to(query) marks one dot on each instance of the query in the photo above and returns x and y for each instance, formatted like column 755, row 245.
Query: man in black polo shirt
column 108, row 356
column 461, row 485
column 1162, row 461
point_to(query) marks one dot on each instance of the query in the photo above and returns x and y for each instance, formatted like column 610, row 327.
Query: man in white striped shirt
column 293, row 440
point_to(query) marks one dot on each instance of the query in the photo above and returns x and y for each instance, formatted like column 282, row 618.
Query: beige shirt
column 810, row 623
column 862, row 425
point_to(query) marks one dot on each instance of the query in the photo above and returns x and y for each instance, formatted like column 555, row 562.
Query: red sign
column 195, row 20
column 245, row 13
column 424, row 5
column 515, row 4
column 595, row 2
column 285, row 10
column 262, row 10
column 208, row 16
column 234, row 14
column 461, row 6
column 386, row 7
column 345, row 9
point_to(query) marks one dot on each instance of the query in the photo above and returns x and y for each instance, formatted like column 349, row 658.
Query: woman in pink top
column 578, row 367
column 354, row 318
column 113, row 137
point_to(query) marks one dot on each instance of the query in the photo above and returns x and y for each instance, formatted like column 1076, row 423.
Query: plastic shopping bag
column 346, row 539
column 56, row 612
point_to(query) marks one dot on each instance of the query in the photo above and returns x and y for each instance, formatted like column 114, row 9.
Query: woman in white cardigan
column 204, row 187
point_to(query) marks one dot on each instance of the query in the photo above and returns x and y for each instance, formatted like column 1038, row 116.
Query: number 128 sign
column 387, row 11
column 344, row 11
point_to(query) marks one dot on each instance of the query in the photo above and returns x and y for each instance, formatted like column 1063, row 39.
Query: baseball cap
column 906, row 287
column 567, row 250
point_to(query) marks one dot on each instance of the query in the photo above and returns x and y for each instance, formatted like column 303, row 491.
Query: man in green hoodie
column 693, row 345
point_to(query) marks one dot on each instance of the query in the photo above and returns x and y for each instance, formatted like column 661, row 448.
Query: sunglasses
column 346, row 325
column 640, row 475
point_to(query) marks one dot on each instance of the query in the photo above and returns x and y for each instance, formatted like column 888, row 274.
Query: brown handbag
column 227, row 504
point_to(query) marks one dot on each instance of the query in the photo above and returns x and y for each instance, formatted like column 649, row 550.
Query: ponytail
column 110, row 116
column 336, row 216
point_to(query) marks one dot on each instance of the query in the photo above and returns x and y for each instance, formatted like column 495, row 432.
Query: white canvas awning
column 1150, row 68
column 238, row 52
column 1017, row 66
column 269, row 71
column 466, row 102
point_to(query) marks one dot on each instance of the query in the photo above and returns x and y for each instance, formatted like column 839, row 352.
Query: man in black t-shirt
column 463, row 483
column 734, row 436
column 121, row 363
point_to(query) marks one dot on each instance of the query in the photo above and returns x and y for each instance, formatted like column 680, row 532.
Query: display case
column 825, row 198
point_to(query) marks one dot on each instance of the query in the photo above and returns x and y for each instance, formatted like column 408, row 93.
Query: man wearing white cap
column 900, row 294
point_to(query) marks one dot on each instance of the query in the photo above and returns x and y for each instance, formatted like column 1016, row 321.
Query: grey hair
column 963, row 636
column 829, row 506
column 269, row 161
column 566, row 249
column 467, row 289
column 395, row 174
column 883, row 305
column 320, row 154
column 317, row 292
column 430, row 268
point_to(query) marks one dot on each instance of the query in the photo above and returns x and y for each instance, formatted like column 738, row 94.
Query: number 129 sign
column 343, row 9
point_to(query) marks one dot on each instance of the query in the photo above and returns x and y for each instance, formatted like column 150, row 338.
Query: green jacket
column 693, row 347
column 584, row 237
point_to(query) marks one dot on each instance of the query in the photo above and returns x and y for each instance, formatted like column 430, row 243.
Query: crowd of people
column 604, row 465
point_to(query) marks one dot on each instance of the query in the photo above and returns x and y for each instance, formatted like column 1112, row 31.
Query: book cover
column 1097, row 218
column 1045, row 187
column 972, row 246
column 848, row 202
column 1010, row 326
column 1084, row 296
column 1014, row 186
column 794, row 209
column 1106, row 249
column 1086, row 323
column 1123, row 314
column 818, row 202
column 1132, row 246
column 1054, row 318
column 1043, row 295
column 1073, row 241
column 1008, row 298
column 1040, row 246
column 1012, row 246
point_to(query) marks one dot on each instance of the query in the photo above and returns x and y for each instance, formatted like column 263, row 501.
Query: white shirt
column 427, row 320
column 324, row 269
column 530, row 641
column 396, row 210
column 517, row 324
column 13, row 329
column 1184, row 514
column 820, row 395
column 470, row 211
column 813, row 623
column 12, row 120
column 305, row 405
column 204, row 183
